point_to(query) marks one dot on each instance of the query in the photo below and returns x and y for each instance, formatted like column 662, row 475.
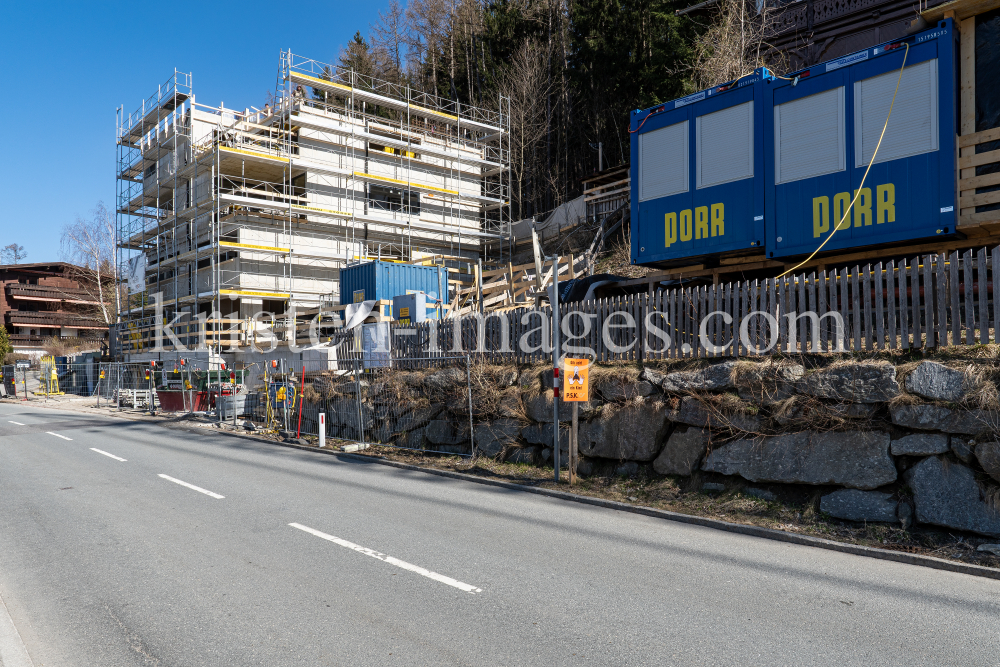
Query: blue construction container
column 821, row 135
column 385, row 280
column 696, row 180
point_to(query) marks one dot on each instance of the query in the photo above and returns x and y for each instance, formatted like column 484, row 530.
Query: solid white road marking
column 14, row 422
column 101, row 451
column 58, row 436
column 389, row 559
column 193, row 487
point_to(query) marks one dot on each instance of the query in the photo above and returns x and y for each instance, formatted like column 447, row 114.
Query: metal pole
column 357, row 393
column 573, row 443
column 468, row 381
column 481, row 309
column 555, row 363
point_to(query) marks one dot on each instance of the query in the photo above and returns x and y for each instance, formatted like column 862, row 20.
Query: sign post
column 576, row 389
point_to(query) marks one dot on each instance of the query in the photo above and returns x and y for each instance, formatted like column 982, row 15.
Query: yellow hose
column 858, row 191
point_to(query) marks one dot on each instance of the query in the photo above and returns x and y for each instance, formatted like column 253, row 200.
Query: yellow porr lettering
column 821, row 216
column 863, row 207
column 701, row 222
column 885, row 203
column 670, row 228
column 840, row 203
column 686, row 225
column 718, row 224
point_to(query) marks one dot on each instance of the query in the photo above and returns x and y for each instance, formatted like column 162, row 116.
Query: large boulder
column 633, row 432
column 936, row 382
column 853, row 383
column 937, row 418
column 711, row 378
column 856, row 459
column 988, row 455
column 682, row 452
column 920, row 444
column 492, row 437
column 946, row 494
column 855, row 505
column 693, row 412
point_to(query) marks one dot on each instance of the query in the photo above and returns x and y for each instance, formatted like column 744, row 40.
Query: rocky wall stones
column 692, row 411
column 682, row 452
column 617, row 390
column 492, row 437
column 936, row 382
column 712, row 378
column 988, row 455
column 767, row 383
column 855, row 505
column 854, row 459
column 947, row 495
column 634, row 431
column 920, row 444
column 938, row 418
column 539, row 408
column 853, row 383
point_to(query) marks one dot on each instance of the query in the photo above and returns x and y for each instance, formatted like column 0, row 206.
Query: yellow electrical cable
column 858, row 191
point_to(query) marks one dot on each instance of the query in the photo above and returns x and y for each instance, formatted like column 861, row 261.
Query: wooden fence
column 925, row 302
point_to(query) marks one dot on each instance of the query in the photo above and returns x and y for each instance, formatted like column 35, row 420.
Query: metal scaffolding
column 227, row 213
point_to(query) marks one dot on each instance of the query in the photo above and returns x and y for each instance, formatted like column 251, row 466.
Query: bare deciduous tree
column 527, row 83
column 429, row 19
column 12, row 254
column 389, row 36
column 735, row 44
column 89, row 244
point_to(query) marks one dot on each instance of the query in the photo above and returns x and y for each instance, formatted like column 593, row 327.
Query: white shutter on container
column 663, row 161
column 724, row 150
column 913, row 126
column 809, row 136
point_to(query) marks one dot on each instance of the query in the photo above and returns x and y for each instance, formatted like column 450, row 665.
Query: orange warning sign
column 576, row 380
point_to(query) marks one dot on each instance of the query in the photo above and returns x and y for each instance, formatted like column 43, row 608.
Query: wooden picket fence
column 931, row 301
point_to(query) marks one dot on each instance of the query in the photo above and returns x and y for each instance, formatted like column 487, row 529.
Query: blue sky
column 68, row 65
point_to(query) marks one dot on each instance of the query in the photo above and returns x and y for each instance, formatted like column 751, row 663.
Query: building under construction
column 237, row 211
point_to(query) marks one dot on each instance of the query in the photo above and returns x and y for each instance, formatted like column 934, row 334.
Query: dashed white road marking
column 192, row 487
column 101, row 451
column 14, row 422
column 389, row 559
column 58, row 436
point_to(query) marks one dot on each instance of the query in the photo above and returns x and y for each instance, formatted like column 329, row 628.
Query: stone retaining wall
column 917, row 442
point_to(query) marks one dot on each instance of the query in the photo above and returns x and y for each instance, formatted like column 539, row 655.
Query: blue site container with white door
column 822, row 131
column 385, row 280
column 696, row 187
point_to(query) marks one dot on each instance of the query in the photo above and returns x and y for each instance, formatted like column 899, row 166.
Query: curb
column 741, row 529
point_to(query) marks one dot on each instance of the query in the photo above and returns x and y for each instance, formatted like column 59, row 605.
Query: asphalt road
column 298, row 558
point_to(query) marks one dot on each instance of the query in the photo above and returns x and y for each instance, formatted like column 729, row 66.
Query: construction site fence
column 372, row 405
column 930, row 301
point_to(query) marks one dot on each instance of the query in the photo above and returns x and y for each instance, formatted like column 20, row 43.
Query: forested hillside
column 573, row 70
